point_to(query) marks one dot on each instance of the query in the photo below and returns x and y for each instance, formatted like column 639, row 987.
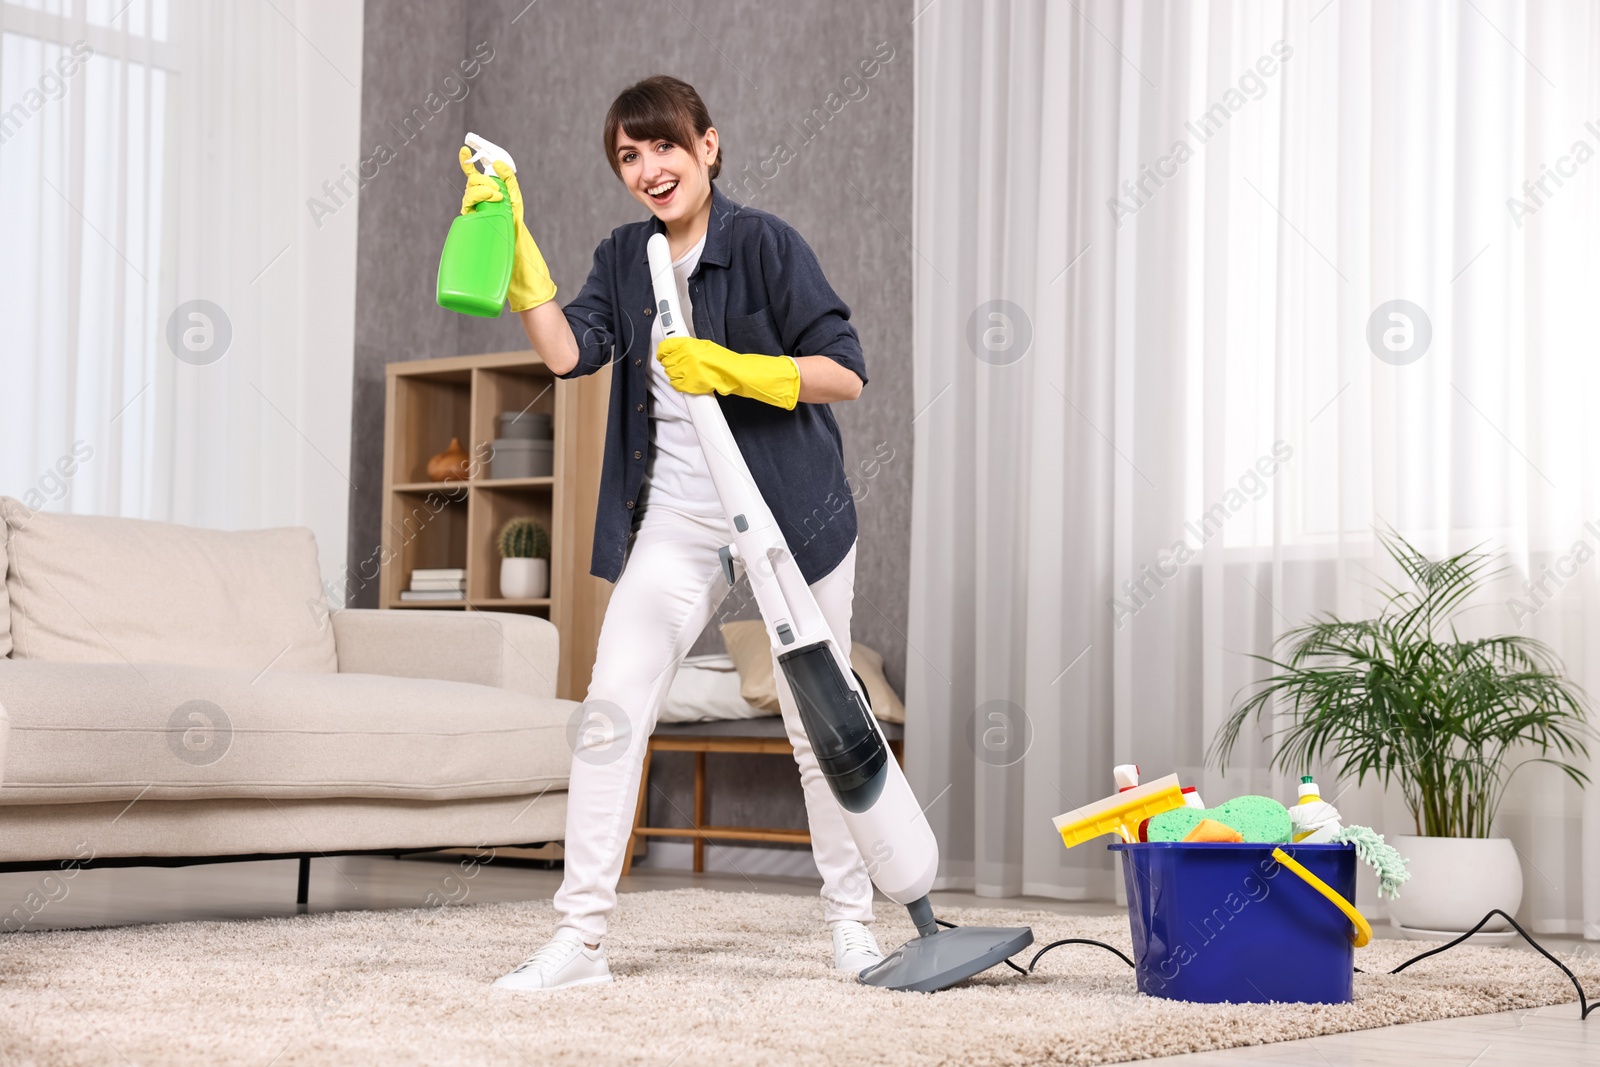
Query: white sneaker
column 564, row 962
column 854, row 947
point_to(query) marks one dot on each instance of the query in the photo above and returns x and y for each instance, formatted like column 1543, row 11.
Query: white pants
column 670, row 587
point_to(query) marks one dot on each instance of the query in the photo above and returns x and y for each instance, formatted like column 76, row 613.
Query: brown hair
column 659, row 108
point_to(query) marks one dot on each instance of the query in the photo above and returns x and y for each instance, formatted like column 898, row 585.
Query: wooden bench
column 764, row 736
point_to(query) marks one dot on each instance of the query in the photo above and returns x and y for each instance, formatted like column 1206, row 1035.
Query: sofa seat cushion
column 96, row 732
column 101, row 589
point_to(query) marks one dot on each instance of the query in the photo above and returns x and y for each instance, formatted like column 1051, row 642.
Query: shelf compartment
column 433, row 408
column 425, row 530
column 528, row 387
column 492, row 508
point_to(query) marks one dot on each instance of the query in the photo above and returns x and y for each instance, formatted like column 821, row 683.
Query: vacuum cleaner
column 880, row 810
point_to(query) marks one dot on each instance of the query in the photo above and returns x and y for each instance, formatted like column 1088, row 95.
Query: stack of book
column 439, row 583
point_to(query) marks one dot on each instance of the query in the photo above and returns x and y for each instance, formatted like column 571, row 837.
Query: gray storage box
column 522, row 459
column 526, row 426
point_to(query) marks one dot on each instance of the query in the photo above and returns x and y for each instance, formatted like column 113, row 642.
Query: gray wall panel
column 406, row 206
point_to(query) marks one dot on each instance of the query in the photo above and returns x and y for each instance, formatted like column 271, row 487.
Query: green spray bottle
column 475, row 266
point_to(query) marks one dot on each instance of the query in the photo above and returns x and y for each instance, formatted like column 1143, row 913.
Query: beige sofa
column 168, row 692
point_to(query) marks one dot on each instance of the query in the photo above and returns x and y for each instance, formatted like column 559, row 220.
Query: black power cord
column 1055, row 944
column 1584, row 1007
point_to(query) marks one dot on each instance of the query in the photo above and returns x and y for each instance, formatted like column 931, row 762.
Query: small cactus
column 524, row 539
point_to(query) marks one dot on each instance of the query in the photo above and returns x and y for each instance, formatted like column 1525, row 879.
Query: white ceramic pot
column 1455, row 881
column 521, row 578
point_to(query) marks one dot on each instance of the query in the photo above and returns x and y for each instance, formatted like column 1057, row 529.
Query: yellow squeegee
column 1120, row 814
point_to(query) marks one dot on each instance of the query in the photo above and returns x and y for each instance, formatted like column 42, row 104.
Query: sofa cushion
column 95, row 732
column 101, row 589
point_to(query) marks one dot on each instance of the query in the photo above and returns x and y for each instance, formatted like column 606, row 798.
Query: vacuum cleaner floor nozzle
column 937, row 961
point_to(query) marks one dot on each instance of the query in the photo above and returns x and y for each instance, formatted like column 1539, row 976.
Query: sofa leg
column 302, row 890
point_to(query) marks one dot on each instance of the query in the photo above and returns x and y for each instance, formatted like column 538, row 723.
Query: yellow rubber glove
column 530, row 278
column 696, row 366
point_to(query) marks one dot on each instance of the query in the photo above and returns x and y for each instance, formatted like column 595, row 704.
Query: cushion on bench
column 751, row 650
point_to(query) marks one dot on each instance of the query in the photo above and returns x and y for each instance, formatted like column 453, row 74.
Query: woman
column 775, row 342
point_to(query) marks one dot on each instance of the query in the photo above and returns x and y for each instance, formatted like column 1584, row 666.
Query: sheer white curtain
column 154, row 154
column 1192, row 212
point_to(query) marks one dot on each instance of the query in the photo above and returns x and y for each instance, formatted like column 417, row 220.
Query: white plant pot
column 1456, row 881
column 523, row 578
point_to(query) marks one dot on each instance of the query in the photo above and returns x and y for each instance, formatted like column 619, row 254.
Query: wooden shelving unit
column 430, row 524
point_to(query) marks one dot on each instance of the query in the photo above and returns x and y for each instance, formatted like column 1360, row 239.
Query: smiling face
column 673, row 181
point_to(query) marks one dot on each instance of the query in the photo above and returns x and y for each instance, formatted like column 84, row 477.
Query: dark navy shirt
column 759, row 289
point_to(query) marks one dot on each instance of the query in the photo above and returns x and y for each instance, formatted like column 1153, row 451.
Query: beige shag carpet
column 701, row 977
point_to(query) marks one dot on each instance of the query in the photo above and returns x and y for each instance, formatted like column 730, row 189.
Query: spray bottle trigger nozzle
column 485, row 152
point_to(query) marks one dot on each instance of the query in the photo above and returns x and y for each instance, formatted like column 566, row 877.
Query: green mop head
column 1379, row 855
column 1261, row 820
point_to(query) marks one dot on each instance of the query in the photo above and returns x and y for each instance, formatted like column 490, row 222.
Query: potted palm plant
column 1407, row 700
column 524, row 559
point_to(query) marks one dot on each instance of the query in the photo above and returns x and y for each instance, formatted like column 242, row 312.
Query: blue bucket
column 1217, row 922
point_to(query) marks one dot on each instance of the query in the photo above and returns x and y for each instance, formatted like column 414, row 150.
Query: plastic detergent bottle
column 1315, row 821
column 475, row 266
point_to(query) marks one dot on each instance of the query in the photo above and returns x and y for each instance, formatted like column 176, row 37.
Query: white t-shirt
column 677, row 475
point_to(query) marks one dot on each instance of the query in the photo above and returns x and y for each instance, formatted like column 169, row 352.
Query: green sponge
column 1261, row 820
